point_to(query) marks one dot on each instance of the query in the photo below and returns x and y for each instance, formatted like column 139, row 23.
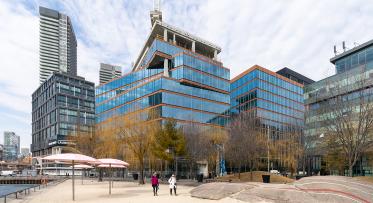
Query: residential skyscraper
column 61, row 107
column 11, row 146
column 57, row 44
column 109, row 72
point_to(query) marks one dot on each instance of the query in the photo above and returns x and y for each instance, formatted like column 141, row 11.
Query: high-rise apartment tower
column 57, row 44
column 109, row 72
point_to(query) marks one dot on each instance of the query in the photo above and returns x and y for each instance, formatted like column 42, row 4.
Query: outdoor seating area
column 80, row 161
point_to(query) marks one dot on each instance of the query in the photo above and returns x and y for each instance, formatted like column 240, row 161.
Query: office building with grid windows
column 276, row 101
column 62, row 106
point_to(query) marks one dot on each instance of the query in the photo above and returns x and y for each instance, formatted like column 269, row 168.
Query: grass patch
column 257, row 177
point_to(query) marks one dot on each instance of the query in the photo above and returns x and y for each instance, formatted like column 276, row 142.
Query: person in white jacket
column 172, row 183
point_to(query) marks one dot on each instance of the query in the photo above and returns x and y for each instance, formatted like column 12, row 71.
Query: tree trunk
column 350, row 166
column 141, row 179
column 251, row 173
column 239, row 172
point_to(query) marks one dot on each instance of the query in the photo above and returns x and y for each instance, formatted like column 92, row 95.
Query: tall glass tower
column 57, row 44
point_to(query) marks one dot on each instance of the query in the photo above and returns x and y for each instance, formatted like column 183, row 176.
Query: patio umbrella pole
column 110, row 179
column 73, row 183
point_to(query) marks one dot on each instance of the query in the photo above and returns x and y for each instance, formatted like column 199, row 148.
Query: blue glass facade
column 276, row 100
column 192, row 88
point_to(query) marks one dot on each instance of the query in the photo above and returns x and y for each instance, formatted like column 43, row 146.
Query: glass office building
column 353, row 79
column 276, row 100
column 62, row 106
column 176, row 75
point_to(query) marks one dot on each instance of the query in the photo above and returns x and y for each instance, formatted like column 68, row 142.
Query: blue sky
column 298, row 34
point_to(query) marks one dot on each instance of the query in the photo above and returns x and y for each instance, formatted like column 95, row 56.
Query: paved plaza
column 311, row 189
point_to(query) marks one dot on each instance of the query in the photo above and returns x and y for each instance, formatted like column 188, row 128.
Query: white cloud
column 19, row 68
column 274, row 34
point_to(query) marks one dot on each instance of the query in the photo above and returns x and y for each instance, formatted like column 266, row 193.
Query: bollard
column 5, row 199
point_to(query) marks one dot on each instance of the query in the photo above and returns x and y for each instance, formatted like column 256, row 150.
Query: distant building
column 63, row 105
column 109, row 72
column 11, row 146
column 57, row 44
column 25, row 151
column 297, row 77
column 1, row 152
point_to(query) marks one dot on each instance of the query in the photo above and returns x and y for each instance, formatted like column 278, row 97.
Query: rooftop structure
column 179, row 38
column 297, row 77
column 358, row 56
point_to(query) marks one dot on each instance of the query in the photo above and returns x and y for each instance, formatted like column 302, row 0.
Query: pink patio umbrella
column 73, row 159
column 112, row 163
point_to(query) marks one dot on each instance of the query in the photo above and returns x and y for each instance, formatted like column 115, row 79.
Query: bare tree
column 195, row 147
column 137, row 135
column 246, row 143
column 290, row 147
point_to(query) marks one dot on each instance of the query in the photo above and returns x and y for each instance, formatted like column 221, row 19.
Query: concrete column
column 165, row 68
column 174, row 39
column 165, row 35
column 194, row 46
column 215, row 54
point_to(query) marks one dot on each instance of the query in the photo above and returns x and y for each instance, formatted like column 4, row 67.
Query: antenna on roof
column 157, row 5
column 335, row 50
column 344, row 46
column 156, row 14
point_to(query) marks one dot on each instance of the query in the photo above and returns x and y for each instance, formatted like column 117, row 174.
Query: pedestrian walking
column 155, row 184
column 172, row 183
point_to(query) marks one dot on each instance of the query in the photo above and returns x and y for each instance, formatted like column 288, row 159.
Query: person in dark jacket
column 155, row 184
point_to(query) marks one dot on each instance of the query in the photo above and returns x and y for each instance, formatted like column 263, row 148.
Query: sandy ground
column 124, row 192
